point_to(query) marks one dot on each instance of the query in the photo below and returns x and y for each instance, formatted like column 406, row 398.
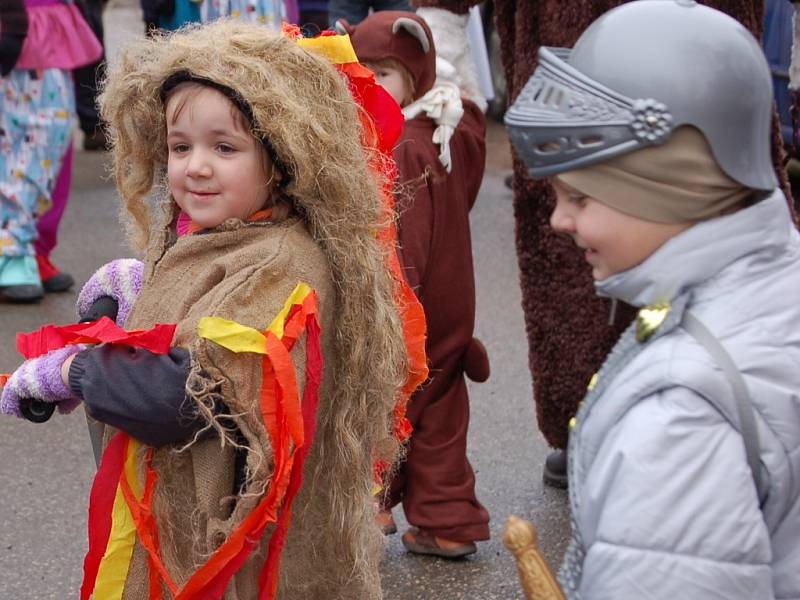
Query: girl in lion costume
column 264, row 200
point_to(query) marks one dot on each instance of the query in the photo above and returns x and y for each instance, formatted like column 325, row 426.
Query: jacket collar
column 701, row 252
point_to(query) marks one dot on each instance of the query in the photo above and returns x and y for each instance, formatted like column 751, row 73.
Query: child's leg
column 35, row 124
column 53, row 279
column 86, row 78
column 437, row 481
column 47, row 225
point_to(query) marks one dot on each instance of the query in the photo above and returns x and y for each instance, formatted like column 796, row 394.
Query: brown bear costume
column 435, row 482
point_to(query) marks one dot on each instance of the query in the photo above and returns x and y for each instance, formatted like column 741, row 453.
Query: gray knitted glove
column 121, row 279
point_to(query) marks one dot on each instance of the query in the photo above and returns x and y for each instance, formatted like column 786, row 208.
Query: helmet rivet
column 650, row 120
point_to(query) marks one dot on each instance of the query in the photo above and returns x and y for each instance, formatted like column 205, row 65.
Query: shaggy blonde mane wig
column 302, row 105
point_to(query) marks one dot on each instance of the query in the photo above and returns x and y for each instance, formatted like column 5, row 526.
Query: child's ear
column 413, row 28
column 342, row 27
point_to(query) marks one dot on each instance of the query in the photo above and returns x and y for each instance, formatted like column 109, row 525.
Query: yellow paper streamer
column 231, row 335
column 113, row 570
column 239, row 338
column 336, row 48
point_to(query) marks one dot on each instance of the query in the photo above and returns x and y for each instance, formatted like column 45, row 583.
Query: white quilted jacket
column 663, row 501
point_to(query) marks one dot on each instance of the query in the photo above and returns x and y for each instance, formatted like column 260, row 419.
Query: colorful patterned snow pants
column 36, row 118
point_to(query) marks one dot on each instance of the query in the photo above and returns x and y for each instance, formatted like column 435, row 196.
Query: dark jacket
column 137, row 391
column 13, row 29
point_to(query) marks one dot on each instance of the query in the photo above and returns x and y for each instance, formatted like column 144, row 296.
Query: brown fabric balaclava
column 402, row 36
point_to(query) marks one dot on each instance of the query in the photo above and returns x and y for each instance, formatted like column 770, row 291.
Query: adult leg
column 86, row 79
column 565, row 346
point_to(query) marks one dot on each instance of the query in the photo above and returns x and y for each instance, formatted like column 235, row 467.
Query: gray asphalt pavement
column 46, row 470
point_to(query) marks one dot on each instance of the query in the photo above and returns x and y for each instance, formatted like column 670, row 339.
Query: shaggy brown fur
column 303, row 107
column 567, row 325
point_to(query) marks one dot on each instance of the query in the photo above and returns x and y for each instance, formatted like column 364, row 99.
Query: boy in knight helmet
column 683, row 470
column 440, row 160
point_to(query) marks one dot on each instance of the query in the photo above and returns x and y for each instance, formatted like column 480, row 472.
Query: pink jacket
column 58, row 37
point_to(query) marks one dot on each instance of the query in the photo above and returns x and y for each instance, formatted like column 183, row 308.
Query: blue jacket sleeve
column 137, row 391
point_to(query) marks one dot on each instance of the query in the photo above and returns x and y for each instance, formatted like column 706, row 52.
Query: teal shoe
column 19, row 279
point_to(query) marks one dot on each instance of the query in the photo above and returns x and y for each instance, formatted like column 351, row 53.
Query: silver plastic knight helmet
column 637, row 73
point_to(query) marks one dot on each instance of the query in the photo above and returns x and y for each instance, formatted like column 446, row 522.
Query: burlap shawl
column 242, row 272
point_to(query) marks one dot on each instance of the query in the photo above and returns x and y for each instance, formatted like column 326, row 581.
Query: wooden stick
column 538, row 581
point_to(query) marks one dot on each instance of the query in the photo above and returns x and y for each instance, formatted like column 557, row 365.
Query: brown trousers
column 435, row 483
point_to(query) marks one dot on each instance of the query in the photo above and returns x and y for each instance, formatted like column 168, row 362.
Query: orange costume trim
column 382, row 123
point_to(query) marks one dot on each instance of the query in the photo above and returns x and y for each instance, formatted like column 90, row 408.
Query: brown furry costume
column 567, row 324
column 244, row 272
column 435, row 482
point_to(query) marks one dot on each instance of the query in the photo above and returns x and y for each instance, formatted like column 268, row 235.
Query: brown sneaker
column 420, row 542
column 385, row 521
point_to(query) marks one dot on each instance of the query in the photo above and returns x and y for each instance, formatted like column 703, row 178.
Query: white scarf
column 443, row 105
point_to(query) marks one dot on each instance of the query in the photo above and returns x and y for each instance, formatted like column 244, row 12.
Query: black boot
column 555, row 469
column 21, row 294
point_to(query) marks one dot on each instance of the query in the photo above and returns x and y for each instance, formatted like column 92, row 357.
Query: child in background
column 173, row 14
column 266, row 186
column 684, row 476
column 440, row 160
column 36, row 118
column 266, row 12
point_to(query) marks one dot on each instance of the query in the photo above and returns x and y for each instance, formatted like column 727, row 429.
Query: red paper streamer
column 286, row 424
column 268, row 579
column 104, row 330
column 382, row 123
column 101, row 503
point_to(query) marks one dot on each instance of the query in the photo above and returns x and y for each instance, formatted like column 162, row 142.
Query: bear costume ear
column 342, row 27
column 415, row 29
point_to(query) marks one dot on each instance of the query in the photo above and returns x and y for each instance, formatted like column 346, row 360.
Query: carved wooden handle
column 538, row 581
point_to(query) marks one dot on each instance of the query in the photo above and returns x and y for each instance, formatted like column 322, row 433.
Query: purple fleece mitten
column 120, row 279
column 40, row 378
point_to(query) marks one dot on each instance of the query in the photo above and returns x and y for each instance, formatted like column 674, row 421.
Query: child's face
column 217, row 169
column 392, row 81
column 612, row 241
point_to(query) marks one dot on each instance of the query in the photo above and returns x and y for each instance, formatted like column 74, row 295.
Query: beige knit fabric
column 676, row 182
